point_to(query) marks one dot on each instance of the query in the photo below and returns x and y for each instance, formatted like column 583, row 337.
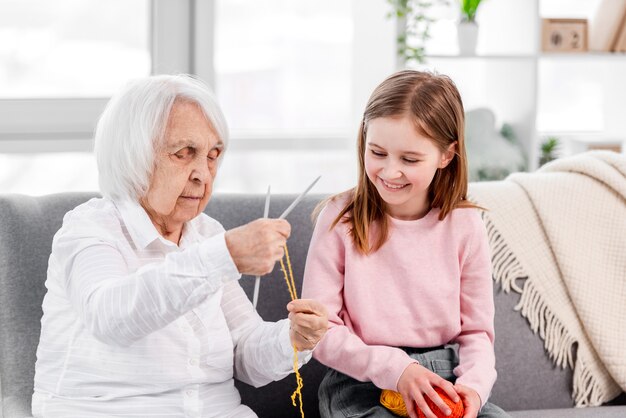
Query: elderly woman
column 144, row 315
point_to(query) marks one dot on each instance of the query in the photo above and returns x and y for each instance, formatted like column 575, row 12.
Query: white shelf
column 483, row 57
column 584, row 56
column 551, row 56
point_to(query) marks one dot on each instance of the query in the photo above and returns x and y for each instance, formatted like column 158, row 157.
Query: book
column 605, row 24
column 619, row 43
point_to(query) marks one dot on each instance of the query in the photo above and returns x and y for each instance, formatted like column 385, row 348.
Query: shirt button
column 189, row 392
column 193, row 362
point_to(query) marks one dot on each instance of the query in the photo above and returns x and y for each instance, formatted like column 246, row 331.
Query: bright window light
column 72, row 48
column 284, row 67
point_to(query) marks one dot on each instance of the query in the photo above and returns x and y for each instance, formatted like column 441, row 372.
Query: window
column 283, row 68
column 45, row 173
column 72, row 48
column 63, row 60
column 292, row 77
column 59, row 62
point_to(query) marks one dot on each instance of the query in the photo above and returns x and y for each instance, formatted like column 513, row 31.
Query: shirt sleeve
column 120, row 305
column 340, row 348
column 476, row 367
column 263, row 350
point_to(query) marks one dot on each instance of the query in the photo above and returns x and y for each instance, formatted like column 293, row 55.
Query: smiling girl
column 402, row 263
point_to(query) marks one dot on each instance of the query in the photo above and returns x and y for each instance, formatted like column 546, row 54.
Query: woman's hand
column 471, row 400
column 309, row 323
column 416, row 382
column 255, row 247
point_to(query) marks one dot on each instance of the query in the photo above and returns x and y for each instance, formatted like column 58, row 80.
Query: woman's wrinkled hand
column 255, row 247
column 416, row 383
column 308, row 323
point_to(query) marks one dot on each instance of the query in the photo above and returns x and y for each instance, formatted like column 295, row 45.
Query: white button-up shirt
column 134, row 325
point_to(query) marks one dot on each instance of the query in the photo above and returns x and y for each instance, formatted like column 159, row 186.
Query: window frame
column 182, row 41
column 67, row 124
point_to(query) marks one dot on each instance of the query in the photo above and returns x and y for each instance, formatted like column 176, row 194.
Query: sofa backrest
column 527, row 379
column 27, row 225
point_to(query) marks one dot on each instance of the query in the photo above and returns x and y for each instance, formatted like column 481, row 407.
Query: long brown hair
column 434, row 104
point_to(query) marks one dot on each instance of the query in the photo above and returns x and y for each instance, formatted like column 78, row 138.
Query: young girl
column 402, row 263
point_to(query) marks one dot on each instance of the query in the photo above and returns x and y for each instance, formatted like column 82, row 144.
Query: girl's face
column 401, row 163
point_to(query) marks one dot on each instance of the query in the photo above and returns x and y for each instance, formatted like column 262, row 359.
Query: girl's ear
column 448, row 155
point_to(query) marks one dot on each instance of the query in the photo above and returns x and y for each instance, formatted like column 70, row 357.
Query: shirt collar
column 190, row 234
column 142, row 230
column 138, row 223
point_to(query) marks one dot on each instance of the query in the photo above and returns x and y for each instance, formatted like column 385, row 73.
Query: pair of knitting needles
column 257, row 279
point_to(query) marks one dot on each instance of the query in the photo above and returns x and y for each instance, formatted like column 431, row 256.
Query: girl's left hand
column 471, row 400
column 309, row 323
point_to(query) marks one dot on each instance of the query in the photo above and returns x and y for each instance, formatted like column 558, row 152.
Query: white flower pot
column 467, row 34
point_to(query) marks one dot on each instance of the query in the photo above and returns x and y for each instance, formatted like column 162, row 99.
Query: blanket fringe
column 587, row 390
column 507, row 271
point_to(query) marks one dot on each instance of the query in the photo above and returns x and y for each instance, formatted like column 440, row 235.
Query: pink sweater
column 428, row 285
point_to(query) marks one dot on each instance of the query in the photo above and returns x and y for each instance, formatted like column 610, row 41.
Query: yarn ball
column 394, row 402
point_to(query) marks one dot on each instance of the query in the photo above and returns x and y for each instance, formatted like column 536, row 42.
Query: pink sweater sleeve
column 340, row 348
column 476, row 353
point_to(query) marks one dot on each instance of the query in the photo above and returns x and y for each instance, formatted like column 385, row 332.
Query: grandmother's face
column 185, row 168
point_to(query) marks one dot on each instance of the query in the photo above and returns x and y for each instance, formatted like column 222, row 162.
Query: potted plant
column 549, row 148
column 413, row 27
column 467, row 29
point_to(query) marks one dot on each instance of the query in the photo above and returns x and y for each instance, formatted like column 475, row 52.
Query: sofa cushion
column 598, row 412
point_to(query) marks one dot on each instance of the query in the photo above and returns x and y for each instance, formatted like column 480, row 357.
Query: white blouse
column 134, row 325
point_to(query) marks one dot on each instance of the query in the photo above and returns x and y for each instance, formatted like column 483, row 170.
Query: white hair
column 132, row 128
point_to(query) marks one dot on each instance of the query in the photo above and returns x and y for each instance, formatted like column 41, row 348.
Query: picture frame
column 564, row 35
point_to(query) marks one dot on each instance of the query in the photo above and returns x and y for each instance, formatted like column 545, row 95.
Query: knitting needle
column 298, row 199
column 257, row 279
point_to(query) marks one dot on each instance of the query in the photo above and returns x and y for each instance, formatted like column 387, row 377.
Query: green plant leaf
column 415, row 12
column 468, row 9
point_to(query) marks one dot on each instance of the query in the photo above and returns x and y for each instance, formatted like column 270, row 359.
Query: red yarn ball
column 457, row 408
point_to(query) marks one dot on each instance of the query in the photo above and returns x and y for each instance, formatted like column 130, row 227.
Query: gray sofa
column 528, row 384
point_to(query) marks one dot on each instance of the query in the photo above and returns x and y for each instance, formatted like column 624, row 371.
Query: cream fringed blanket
column 563, row 229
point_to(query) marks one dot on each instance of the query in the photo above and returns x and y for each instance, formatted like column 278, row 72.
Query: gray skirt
column 341, row 396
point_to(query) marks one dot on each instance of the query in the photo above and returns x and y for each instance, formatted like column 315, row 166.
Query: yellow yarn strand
column 393, row 401
column 291, row 285
column 298, row 392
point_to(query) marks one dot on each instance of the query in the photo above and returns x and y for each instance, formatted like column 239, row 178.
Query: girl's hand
column 471, row 400
column 309, row 323
column 416, row 382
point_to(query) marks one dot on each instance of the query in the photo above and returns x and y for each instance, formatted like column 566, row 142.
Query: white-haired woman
column 144, row 315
